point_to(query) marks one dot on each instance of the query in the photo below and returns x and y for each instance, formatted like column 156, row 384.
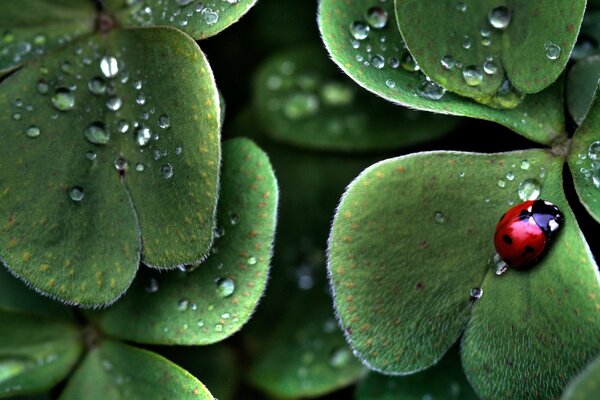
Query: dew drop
column 152, row 286
column 164, row 121
column 430, row 90
column 461, row 6
column 109, row 66
column 448, row 62
column 510, row 176
column 42, row 86
column 114, row 103
column 552, row 50
column 409, row 63
column 218, row 328
column 501, row 183
column 17, row 116
column 63, row 99
column 340, row 358
column 122, row 126
column 359, row 30
column 390, row 83
column 143, row 135
column 490, row 67
column 234, row 219
column 121, row 164
column 472, row 75
column 33, row 131
column 499, row 17
column 96, row 133
column 594, row 151
column 76, row 193
column 183, row 304
column 525, row 165
column 377, row 17
column 301, row 105
column 438, row 217
column 529, row 189
column 183, row 3
column 97, row 86
column 251, row 260
column 377, row 61
column 476, row 293
column 90, row 155
column 166, row 171
column 225, row 287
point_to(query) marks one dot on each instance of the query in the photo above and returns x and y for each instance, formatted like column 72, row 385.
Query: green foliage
column 582, row 84
column 526, row 43
column 200, row 20
column 118, row 371
column 216, row 299
column 538, row 117
column 35, row 352
column 586, row 385
column 302, row 99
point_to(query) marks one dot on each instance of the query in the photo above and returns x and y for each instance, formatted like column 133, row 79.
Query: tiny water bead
column 524, row 165
column 337, row 94
column 90, row 155
column 33, row 131
column 409, row 63
column 42, row 86
column 472, row 75
column 164, row 121
column 225, row 287
column 438, row 217
column 594, row 151
column 17, row 116
column 529, row 189
column 499, row 17
column 97, row 86
column 96, row 133
column 510, row 176
column 340, row 358
column 143, row 135
column 121, row 164
column 109, row 66
column 552, row 50
column 359, row 30
column 183, row 304
column 476, row 293
column 390, row 83
column 122, row 126
column 448, row 62
column 251, row 261
column 461, row 6
column 301, row 105
column 63, row 99
column 166, row 171
column 114, row 103
column 76, row 193
column 377, row 61
column 377, row 17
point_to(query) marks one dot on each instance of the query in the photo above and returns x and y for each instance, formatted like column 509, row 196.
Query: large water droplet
column 97, row 86
column 448, row 62
column 472, row 75
column 594, row 151
column 96, row 133
column 430, row 90
column 552, row 50
column 377, row 17
column 359, row 30
column 529, row 189
column 76, row 193
column 377, row 61
column 33, row 131
column 63, row 99
column 143, row 135
column 114, row 103
column 490, row 67
column 109, row 66
column 499, row 17
column 225, row 287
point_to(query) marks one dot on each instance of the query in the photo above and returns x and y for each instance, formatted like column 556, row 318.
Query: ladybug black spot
column 524, row 215
column 528, row 249
column 507, row 239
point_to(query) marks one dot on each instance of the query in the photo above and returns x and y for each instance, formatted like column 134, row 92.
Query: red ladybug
column 525, row 230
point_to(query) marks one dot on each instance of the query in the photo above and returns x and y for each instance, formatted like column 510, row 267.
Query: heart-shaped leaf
column 215, row 300
column 296, row 347
column 444, row 381
column 472, row 47
column 35, row 352
column 199, row 19
column 15, row 295
column 113, row 148
column 589, row 36
column 410, row 254
column 584, row 161
column 115, row 371
column 301, row 99
column 378, row 62
column 32, row 28
column 585, row 386
column 582, row 84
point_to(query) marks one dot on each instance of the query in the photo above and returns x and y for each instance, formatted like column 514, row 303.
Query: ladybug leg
column 502, row 270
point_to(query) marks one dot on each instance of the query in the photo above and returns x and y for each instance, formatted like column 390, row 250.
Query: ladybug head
column 547, row 216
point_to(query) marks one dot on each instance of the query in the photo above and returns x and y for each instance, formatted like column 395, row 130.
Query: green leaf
column 295, row 346
column 539, row 117
column 585, row 386
column 35, row 352
column 528, row 43
column 86, row 250
column 301, row 99
column 589, row 36
column 15, row 295
column 215, row 300
column 584, row 161
column 33, row 28
column 444, row 381
column 403, row 274
column 216, row 366
column 200, row 20
column 582, row 84
column 118, row 371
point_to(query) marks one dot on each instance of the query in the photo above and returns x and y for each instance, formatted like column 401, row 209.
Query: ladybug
column 525, row 231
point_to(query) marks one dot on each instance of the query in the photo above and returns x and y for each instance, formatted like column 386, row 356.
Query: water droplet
column 529, row 189
column 337, row 94
column 76, row 193
column 594, row 151
column 466, row 44
column 42, row 86
column 122, row 126
column 164, row 121
column 97, row 86
column 225, row 287
column 218, row 328
column 430, row 90
column 17, row 116
column 448, row 62
column 510, row 176
column 461, row 6
column 114, row 103
column 96, row 133
column 251, row 261
column 166, row 171
column 152, row 286
column 139, row 167
column 211, row 17
column 490, row 67
column 409, row 63
column 501, row 183
column 476, row 293
column 359, row 30
column 552, row 50
column 499, row 17
column 143, row 135
column 233, row 218
column 183, row 3
column 33, row 131
column 377, row 61
column 472, row 75
column 63, row 99
column 438, row 217
column 109, row 66
column 377, row 17
column 525, row 165
column 141, row 99
column 340, row 357
column 301, row 105
column 90, row 155
column 390, row 83
column 121, row 164
column 183, row 304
